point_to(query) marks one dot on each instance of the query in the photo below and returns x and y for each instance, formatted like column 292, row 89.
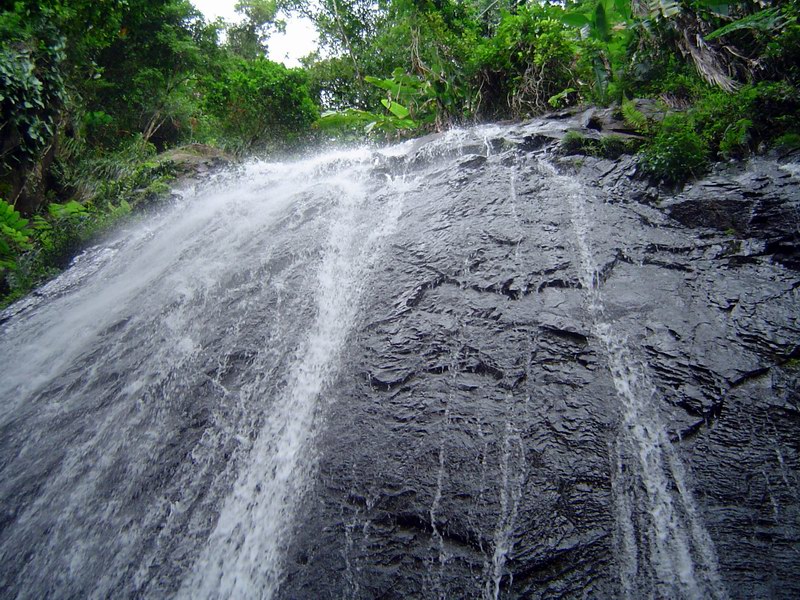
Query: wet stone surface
column 471, row 368
column 468, row 444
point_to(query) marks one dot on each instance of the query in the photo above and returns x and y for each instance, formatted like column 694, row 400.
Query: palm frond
column 653, row 9
column 763, row 20
column 707, row 60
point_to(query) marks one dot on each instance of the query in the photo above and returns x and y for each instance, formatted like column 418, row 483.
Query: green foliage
column 112, row 82
column 15, row 236
column 31, row 86
column 606, row 28
column 429, row 42
column 731, row 123
column 634, row 117
column 608, row 146
column 614, row 146
column 573, row 142
column 397, row 118
column 735, row 139
column 781, row 54
column 561, row 98
column 260, row 104
column 408, row 97
column 665, row 9
column 716, row 124
column 677, row 152
column 766, row 20
column 387, row 124
column 789, row 141
column 332, row 82
column 527, row 62
column 249, row 38
column 112, row 185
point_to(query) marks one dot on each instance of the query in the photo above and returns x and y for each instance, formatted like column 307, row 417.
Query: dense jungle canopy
column 92, row 91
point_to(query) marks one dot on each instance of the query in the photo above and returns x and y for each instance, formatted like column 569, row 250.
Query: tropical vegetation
column 92, row 91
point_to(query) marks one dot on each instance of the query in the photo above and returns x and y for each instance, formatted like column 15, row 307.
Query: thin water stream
column 664, row 551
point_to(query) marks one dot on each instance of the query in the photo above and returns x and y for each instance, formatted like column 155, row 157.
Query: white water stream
column 164, row 279
column 663, row 548
column 243, row 557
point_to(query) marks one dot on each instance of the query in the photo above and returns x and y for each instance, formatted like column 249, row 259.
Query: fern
column 14, row 235
column 736, row 138
column 634, row 117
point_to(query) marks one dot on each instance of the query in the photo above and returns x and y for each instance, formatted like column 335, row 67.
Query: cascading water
column 436, row 370
column 157, row 286
column 673, row 556
column 242, row 558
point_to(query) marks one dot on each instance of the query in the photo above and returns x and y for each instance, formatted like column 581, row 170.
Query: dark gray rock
column 551, row 364
column 483, row 386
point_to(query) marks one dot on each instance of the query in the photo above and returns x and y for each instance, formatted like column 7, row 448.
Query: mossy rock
column 193, row 159
column 603, row 146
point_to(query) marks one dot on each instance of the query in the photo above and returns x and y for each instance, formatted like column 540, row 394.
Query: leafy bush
column 789, row 141
column 31, row 89
column 774, row 108
column 15, row 236
column 736, row 139
column 528, row 61
column 112, row 185
column 733, row 123
column 677, row 152
column 260, row 104
column 405, row 93
column 614, row 146
column 606, row 33
column 782, row 52
column 573, row 142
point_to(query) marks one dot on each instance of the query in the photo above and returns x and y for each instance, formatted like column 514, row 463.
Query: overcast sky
column 300, row 37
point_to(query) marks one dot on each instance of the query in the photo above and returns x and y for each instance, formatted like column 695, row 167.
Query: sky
column 300, row 37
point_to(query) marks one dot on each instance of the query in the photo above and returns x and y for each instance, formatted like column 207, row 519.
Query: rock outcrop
column 470, row 366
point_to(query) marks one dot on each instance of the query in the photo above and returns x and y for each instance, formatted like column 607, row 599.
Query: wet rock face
column 475, row 369
column 468, row 448
column 758, row 202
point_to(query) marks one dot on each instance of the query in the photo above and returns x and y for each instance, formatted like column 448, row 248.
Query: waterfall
column 439, row 369
column 164, row 284
column 242, row 558
column 664, row 549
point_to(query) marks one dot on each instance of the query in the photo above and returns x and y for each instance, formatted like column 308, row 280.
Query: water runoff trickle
column 512, row 459
column 663, row 549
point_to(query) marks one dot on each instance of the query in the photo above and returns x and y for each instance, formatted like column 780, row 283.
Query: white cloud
column 299, row 40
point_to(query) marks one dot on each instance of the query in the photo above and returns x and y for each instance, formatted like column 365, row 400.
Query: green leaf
column 633, row 116
column 351, row 116
column 575, row 20
column 556, row 99
column 764, row 20
column 41, row 224
column 667, row 8
column 601, row 29
column 623, row 7
column 398, row 110
column 384, row 84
